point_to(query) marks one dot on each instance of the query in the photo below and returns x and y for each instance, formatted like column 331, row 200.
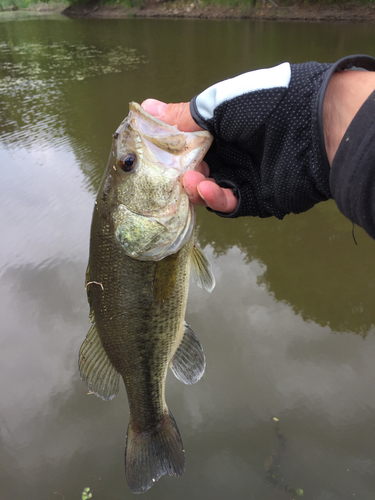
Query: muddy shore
column 267, row 11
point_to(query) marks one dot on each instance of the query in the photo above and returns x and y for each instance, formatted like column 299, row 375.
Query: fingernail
column 162, row 106
column 154, row 107
column 200, row 194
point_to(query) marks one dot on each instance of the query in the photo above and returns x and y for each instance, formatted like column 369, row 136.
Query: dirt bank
column 193, row 9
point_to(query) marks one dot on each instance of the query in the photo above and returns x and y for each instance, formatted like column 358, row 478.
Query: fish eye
column 127, row 162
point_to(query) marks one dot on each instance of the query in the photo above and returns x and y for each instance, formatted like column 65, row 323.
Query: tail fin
column 152, row 453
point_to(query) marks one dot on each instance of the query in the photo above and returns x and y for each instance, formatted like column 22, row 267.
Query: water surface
column 288, row 331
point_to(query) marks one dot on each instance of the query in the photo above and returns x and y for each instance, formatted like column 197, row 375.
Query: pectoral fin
column 201, row 268
column 188, row 363
column 95, row 367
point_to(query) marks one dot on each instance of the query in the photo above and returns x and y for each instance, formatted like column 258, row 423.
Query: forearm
column 352, row 175
column 346, row 92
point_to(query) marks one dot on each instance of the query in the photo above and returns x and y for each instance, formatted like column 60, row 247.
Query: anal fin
column 189, row 362
column 95, row 367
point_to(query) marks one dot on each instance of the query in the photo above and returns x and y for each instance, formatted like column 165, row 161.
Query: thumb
column 173, row 114
column 154, row 107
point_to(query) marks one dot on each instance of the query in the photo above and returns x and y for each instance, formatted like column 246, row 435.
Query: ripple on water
column 33, row 77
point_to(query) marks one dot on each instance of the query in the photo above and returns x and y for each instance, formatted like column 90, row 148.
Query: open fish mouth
column 153, row 218
column 166, row 142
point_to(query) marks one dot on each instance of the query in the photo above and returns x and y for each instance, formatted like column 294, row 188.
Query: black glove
column 268, row 136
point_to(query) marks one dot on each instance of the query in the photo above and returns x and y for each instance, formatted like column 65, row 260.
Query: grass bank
column 309, row 10
column 34, row 5
column 291, row 10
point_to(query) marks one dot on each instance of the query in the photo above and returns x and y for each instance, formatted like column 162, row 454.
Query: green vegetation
column 234, row 3
column 284, row 3
column 86, row 494
column 25, row 4
column 242, row 4
column 14, row 4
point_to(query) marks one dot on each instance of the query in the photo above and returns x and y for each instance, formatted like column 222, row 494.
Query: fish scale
column 142, row 248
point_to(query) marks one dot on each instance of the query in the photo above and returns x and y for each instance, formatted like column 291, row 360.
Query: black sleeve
column 268, row 136
column 352, row 176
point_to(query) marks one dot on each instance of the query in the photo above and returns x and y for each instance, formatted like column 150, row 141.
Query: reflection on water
column 34, row 76
column 288, row 331
column 304, row 258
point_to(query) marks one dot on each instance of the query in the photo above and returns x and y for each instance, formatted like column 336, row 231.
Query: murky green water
column 288, row 331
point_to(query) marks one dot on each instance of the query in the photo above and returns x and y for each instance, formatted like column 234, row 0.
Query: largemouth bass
column 141, row 250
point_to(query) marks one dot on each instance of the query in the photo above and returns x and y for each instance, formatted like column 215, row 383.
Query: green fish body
column 141, row 250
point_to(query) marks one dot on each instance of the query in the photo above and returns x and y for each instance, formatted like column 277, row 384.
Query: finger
column 217, row 198
column 203, row 168
column 173, row 114
column 190, row 182
column 154, row 107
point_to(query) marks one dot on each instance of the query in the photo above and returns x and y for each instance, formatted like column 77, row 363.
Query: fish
column 142, row 253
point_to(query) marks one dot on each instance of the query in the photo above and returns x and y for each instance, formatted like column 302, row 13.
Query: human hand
column 201, row 189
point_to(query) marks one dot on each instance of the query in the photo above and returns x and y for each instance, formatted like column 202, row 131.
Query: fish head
column 152, row 215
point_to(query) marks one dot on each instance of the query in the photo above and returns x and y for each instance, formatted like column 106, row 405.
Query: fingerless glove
column 268, row 135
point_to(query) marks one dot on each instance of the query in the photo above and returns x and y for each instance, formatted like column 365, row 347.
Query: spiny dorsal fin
column 201, row 268
column 95, row 367
column 188, row 363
